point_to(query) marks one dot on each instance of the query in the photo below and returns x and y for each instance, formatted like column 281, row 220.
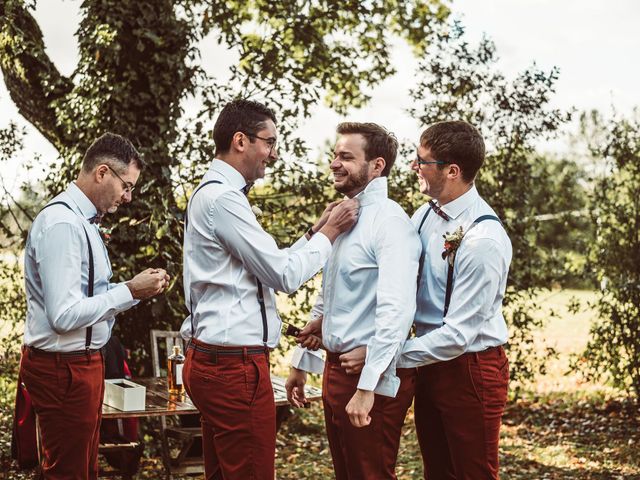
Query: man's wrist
column 310, row 232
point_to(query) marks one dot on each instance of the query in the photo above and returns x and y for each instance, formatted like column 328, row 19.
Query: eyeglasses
column 271, row 142
column 127, row 186
column 421, row 161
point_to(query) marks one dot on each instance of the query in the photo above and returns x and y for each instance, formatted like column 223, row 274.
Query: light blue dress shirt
column 57, row 279
column 225, row 249
column 368, row 293
column 474, row 321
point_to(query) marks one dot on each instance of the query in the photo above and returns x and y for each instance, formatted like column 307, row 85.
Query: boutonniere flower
column 105, row 233
column 256, row 211
column 451, row 244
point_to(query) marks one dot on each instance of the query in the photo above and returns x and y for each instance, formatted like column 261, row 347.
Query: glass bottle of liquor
column 174, row 371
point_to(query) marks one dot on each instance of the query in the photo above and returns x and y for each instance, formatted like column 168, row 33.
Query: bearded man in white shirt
column 367, row 303
column 71, row 307
column 463, row 371
column 231, row 269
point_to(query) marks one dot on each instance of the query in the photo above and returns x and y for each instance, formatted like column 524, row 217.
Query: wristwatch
column 310, row 232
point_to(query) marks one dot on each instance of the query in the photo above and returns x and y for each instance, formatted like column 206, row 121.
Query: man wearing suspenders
column 231, row 269
column 367, row 301
column 71, row 307
column 463, row 372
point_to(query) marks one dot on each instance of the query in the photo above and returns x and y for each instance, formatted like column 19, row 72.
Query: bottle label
column 179, row 374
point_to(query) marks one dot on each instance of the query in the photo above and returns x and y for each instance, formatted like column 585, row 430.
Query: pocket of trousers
column 475, row 376
column 253, row 386
column 503, row 371
column 68, row 370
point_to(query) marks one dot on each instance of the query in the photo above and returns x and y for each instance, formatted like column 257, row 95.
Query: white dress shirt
column 368, row 293
column 474, row 321
column 57, row 278
column 225, row 249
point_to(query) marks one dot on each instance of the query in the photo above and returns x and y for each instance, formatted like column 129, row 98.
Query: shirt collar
column 230, row 174
column 85, row 206
column 375, row 191
column 462, row 203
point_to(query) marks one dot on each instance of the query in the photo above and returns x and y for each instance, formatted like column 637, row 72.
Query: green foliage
column 139, row 63
column 560, row 187
column 614, row 256
column 457, row 81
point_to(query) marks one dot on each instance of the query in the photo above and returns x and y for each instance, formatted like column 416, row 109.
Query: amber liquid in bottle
column 174, row 370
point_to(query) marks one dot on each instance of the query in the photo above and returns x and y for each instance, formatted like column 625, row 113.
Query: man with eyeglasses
column 364, row 313
column 71, row 307
column 463, row 371
column 231, row 269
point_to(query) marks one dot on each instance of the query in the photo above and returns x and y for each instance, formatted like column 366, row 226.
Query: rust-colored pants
column 458, row 407
column 67, row 397
column 235, row 397
column 367, row 453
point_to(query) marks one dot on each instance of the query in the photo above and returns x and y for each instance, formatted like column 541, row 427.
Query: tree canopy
column 138, row 63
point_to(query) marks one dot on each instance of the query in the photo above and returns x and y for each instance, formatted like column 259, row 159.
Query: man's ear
column 454, row 171
column 100, row 172
column 379, row 164
column 238, row 141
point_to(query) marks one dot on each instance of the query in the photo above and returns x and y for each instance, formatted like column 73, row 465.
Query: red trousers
column 67, row 397
column 367, row 453
column 235, row 397
column 458, row 411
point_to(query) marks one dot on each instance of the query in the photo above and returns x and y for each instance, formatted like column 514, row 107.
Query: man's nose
column 273, row 154
column 335, row 164
column 126, row 196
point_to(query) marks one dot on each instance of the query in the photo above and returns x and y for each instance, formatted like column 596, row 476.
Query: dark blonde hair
column 379, row 142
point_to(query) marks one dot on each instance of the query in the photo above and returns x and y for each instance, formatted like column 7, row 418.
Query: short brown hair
column 113, row 149
column 456, row 142
column 379, row 142
column 240, row 115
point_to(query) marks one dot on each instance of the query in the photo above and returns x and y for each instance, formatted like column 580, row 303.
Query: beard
column 354, row 182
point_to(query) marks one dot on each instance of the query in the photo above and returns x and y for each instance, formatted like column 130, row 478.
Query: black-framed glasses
column 270, row 141
column 421, row 161
column 126, row 185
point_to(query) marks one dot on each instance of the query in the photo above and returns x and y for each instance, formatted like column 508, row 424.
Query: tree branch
column 33, row 81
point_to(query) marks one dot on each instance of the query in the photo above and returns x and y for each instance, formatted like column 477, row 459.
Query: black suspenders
column 449, row 289
column 263, row 310
column 87, row 343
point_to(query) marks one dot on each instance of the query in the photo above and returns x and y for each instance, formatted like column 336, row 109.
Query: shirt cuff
column 321, row 242
column 388, row 385
column 307, row 360
column 369, row 378
column 122, row 297
column 301, row 242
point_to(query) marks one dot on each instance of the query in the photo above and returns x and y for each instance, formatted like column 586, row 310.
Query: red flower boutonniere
column 105, row 233
column 451, row 244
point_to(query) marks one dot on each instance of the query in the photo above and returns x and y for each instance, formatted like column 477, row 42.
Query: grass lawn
column 562, row 427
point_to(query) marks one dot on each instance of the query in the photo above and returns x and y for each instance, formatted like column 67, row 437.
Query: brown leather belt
column 48, row 353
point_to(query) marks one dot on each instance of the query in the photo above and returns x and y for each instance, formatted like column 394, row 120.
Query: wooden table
column 159, row 403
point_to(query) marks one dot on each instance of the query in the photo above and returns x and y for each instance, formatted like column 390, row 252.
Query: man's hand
column 295, row 387
column 341, row 218
column 324, row 217
column 353, row 361
column 359, row 407
column 310, row 336
column 148, row 283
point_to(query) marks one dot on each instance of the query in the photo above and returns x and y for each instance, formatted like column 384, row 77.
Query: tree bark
column 33, row 81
